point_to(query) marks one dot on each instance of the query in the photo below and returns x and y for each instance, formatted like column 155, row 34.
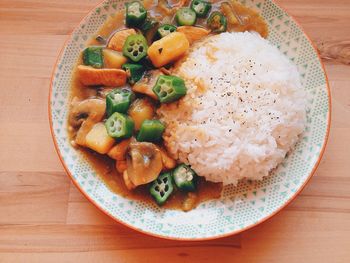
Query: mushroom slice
column 85, row 114
column 144, row 162
column 146, row 84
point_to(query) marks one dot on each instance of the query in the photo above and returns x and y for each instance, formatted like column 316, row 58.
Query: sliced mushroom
column 144, row 162
column 129, row 185
column 147, row 82
column 85, row 114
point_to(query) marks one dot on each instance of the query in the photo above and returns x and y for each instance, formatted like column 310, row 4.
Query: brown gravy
column 105, row 166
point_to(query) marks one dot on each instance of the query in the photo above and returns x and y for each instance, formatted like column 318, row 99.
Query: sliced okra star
column 119, row 126
column 92, row 56
column 119, row 100
column 151, row 131
column 134, row 71
column 165, row 30
column 201, row 7
column 135, row 47
column 217, row 22
column 185, row 178
column 136, row 14
column 169, row 88
column 185, row 16
column 162, row 188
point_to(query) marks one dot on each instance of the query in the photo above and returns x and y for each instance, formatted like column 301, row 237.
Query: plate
column 241, row 207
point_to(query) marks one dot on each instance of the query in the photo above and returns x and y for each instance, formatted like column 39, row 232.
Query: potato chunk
column 98, row 140
column 140, row 110
column 113, row 59
column 168, row 49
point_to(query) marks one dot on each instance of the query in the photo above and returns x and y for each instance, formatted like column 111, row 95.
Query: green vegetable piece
column 162, row 188
column 119, row 100
column 201, row 8
column 169, row 88
column 149, row 29
column 135, row 14
column 134, row 72
column 119, row 126
column 92, row 56
column 185, row 16
column 165, row 30
column 135, row 47
column 217, row 22
column 151, row 131
column 185, row 178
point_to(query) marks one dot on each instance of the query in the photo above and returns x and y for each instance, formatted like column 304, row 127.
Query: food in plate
column 243, row 111
column 177, row 100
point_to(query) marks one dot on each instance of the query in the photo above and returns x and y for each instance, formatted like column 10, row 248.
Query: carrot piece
column 193, row 33
column 118, row 151
column 118, row 39
column 90, row 76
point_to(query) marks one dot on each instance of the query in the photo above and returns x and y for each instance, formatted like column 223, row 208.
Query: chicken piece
column 90, row 76
column 168, row 162
column 193, row 33
column 118, row 151
column 118, row 39
column 189, row 202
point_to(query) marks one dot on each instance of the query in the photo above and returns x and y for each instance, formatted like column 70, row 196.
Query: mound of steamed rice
column 243, row 111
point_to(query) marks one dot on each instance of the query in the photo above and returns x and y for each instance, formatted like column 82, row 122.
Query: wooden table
column 43, row 217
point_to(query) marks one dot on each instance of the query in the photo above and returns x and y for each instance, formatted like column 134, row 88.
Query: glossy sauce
column 105, row 166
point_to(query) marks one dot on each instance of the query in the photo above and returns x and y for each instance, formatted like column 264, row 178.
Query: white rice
column 243, row 112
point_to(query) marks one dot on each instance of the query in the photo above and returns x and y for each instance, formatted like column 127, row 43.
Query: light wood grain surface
column 43, row 217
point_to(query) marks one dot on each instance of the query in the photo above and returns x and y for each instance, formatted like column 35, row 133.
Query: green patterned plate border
column 240, row 207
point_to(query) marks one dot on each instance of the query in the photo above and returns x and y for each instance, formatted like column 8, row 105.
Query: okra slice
column 185, row 178
column 119, row 126
column 169, row 88
column 135, row 47
column 162, row 188
column 201, row 8
column 119, row 100
column 217, row 22
column 185, row 16
column 165, row 30
column 134, row 72
column 92, row 56
column 136, row 14
column 150, row 131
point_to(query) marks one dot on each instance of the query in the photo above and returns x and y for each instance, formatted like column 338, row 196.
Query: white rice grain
column 244, row 109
